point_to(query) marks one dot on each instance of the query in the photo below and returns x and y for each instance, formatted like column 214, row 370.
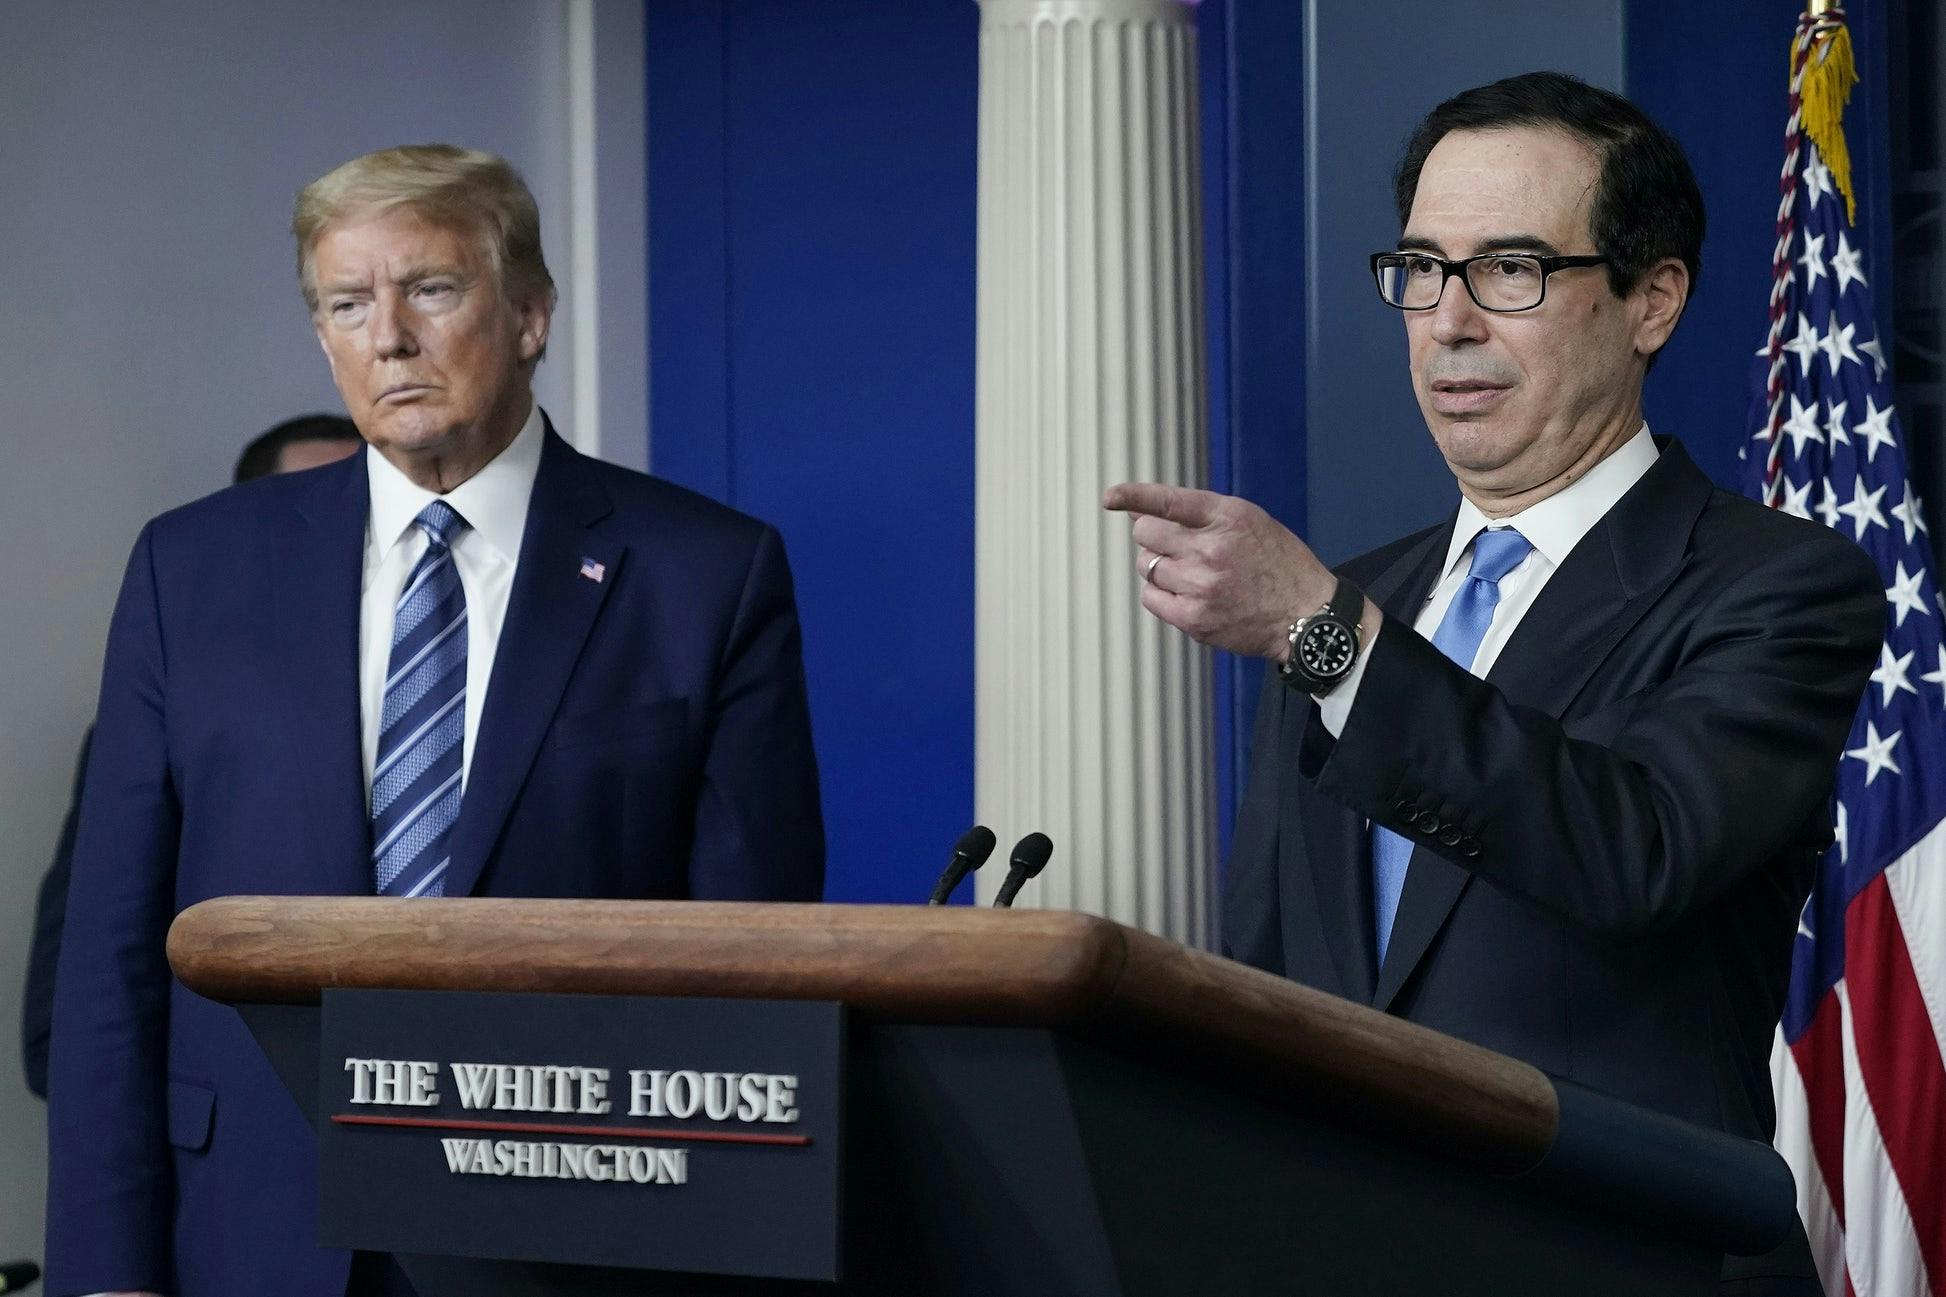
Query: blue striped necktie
column 1495, row 553
column 422, row 724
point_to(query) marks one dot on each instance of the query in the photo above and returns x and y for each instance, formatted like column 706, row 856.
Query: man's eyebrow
column 426, row 270
column 1533, row 243
column 1517, row 243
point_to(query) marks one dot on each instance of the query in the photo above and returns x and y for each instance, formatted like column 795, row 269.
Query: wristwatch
column 1325, row 645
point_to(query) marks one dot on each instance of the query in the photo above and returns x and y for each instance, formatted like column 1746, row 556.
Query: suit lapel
column 1617, row 572
column 1613, row 576
column 1432, row 888
column 1337, row 840
column 314, row 628
column 550, row 611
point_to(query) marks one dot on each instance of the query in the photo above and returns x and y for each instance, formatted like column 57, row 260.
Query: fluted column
column 1093, row 719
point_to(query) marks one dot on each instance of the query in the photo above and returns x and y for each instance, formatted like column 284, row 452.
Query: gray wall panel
column 148, row 158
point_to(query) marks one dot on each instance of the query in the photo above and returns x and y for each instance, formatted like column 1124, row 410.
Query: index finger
column 1177, row 504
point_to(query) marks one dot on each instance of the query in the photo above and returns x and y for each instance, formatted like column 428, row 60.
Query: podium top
column 1283, row 1043
column 907, row 964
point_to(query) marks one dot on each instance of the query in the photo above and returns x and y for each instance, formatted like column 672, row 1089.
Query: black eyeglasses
column 1496, row 281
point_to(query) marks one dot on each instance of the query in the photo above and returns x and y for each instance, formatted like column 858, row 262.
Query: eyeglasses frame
column 1449, row 269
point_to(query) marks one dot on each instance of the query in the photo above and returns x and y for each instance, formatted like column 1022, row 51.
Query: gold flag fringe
column 1829, row 75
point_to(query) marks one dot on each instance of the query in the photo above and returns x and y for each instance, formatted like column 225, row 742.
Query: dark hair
column 260, row 457
column 1647, row 205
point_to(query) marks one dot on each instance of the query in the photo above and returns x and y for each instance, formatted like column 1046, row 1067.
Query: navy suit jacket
column 644, row 735
column 1615, row 831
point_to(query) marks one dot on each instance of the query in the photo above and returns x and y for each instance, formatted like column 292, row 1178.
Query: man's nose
column 391, row 329
column 1457, row 317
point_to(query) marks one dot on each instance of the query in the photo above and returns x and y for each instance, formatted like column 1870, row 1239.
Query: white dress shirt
column 486, row 551
column 1554, row 527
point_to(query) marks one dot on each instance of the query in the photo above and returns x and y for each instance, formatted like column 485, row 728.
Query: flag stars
column 1938, row 677
column 1907, row 512
column 1904, row 594
column 1863, row 509
column 1876, row 428
column 1841, row 838
column 1844, row 262
column 1836, row 343
column 1876, row 753
column 1877, row 353
column 1817, row 180
column 1834, row 423
column 1828, row 510
column 1891, row 675
column 1802, row 426
column 1805, row 343
column 1797, row 500
column 1812, row 260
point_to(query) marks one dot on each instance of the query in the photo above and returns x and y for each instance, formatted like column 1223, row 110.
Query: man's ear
column 536, row 317
column 1662, row 294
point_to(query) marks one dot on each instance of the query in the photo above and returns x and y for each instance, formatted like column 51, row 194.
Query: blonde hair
column 445, row 184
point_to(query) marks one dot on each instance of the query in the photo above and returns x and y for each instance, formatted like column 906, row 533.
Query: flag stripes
column 1859, row 1074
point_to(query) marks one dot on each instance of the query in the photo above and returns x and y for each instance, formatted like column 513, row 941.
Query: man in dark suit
column 307, row 441
column 468, row 661
column 1551, row 775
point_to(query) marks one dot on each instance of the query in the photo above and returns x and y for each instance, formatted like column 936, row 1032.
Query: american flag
column 1861, row 1088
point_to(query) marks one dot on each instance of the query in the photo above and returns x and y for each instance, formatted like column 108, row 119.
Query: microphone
column 15, row 1275
column 969, row 853
column 1030, row 857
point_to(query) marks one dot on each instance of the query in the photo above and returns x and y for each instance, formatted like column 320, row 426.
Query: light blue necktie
column 416, row 776
column 1495, row 553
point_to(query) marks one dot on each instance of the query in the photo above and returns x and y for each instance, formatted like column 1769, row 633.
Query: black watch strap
column 1348, row 601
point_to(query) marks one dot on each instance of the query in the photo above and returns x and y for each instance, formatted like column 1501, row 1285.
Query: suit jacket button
column 1450, row 835
column 1470, row 848
column 1428, row 822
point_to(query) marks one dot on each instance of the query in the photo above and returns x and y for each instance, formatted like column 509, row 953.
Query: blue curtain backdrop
column 811, row 215
column 811, row 268
column 1717, row 77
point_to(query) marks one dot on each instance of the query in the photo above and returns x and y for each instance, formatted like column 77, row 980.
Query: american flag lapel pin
column 592, row 570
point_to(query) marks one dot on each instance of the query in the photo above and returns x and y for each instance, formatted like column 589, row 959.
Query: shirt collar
column 493, row 501
column 1556, row 525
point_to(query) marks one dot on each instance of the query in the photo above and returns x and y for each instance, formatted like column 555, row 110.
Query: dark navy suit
column 643, row 735
column 1615, row 831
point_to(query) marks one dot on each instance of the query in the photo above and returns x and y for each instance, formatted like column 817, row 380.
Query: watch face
column 1326, row 648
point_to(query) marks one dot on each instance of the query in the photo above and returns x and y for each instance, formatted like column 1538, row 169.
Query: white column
column 1093, row 719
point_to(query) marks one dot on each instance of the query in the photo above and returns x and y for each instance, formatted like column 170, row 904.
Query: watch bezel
column 1343, row 612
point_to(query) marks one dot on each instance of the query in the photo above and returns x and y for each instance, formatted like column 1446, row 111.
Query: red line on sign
column 537, row 1128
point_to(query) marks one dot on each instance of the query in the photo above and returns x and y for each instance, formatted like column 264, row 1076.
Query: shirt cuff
column 1334, row 709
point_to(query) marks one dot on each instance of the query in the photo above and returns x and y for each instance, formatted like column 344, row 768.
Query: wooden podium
column 1045, row 1103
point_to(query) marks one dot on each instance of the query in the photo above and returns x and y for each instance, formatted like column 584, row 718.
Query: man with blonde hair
column 466, row 661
